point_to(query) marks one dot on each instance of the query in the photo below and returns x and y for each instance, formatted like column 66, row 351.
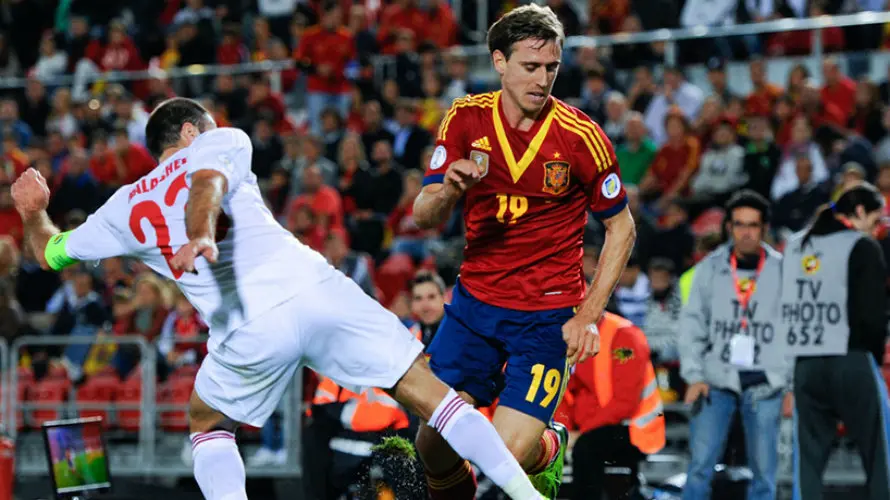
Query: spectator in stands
column 613, row 411
column 616, row 117
column 77, row 188
column 626, row 56
column 762, row 156
column 868, row 114
column 357, row 266
column 144, row 316
column 410, row 139
column 593, row 95
column 801, row 144
column 9, row 61
column 407, row 237
column 332, row 129
column 372, row 113
column 427, row 304
column 717, row 78
column 717, row 386
column 234, row 99
column 180, row 325
column 351, row 159
column 35, row 106
column 80, row 313
column 674, row 92
column 303, row 223
column 311, row 155
column 324, row 200
column 764, row 94
column 267, row 148
column 9, row 257
column 458, row 72
column 324, row 52
column 61, row 121
column 674, row 237
column 818, row 111
column 10, row 121
column 643, row 89
column 129, row 115
column 632, row 292
column 662, row 325
column 712, row 110
column 135, row 158
column 637, row 152
column 839, row 90
column 52, row 62
column 674, row 164
column 721, row 171
column 8, row 224
column 376, row 191
column 795, row 209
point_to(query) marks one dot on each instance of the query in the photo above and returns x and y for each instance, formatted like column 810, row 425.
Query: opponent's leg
column 466, row 430
column 449, row 476
column 217, row 464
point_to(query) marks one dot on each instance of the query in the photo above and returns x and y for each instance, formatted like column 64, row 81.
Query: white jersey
column 260, row 264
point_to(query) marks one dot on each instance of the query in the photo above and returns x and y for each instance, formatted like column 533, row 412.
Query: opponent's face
column 528, row 75
column 427, row 303
column 746, row 227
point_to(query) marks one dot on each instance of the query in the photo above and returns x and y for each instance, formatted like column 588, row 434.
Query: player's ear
column 500, row 61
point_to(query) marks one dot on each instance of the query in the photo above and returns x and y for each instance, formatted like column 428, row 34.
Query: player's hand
column 462, row 175
column 695, row 391
column 30, row 194
column 184, row 260
column 582, row 339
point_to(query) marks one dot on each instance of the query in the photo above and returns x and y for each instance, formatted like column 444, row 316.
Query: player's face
column 528, row 75
column 427, row 303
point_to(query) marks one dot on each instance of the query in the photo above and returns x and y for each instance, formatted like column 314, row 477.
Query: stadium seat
column 130, row 393
column 393, row 276
column 177, row 391
column 25, row 381
column 98, row 389
column 50, row 390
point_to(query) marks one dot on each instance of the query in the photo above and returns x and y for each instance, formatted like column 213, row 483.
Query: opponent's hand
column 582, row 339
column 184, row 260
column 30, row 193
column 462, row 175
column 695, row 391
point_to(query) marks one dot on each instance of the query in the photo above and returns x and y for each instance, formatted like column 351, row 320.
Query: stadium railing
column 154, row 450
column 384, row 65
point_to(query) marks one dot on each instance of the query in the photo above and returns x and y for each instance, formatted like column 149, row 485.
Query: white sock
column 473, row 437
column 218, row 466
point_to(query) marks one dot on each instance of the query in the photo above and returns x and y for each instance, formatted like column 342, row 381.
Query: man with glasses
column 726, row 322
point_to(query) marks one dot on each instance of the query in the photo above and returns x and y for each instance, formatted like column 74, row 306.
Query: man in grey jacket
column 728, row 317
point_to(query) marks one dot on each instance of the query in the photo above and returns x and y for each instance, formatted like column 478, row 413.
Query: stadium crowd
column 340, row 151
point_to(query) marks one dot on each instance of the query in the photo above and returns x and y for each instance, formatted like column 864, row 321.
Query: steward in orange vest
column 612, row 401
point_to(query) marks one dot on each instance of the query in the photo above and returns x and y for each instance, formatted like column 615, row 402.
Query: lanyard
column 744, row 296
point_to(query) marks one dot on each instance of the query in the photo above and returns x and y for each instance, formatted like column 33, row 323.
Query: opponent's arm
column 621, row 234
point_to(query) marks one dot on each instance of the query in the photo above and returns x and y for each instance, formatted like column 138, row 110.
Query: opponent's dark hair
column 529, row 22
column 747, row 198
column 860, row 194
column 166, row 121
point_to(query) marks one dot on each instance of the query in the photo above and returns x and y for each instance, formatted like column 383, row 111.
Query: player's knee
column 203, row 418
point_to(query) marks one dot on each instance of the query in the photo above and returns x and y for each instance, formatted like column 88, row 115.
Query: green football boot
column 548, row 481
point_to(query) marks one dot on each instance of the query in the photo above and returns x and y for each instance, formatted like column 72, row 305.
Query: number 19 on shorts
column 551, row 381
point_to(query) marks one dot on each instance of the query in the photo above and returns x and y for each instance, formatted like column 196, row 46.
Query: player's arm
column 219, row 164
column 609, row 205
column 93, row 240
column 449, row 174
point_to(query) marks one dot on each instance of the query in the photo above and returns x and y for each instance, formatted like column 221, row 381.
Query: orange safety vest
column 647, row 430
column 371, row 411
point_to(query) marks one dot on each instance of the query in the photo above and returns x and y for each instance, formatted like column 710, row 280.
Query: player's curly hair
column 166, row 121
column 528, row 22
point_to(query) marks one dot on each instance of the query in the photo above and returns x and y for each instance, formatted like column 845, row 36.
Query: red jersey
column 335, row 49
column 525, row 218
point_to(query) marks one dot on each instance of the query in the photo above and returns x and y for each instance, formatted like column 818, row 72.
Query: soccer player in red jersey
column 529, row 168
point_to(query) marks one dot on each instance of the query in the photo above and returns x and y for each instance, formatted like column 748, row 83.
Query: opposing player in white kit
column 273, row 304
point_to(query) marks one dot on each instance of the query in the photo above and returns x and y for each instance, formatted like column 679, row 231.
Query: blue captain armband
column 56, row 254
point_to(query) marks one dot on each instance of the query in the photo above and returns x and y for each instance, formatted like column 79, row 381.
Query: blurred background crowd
column 342, row 135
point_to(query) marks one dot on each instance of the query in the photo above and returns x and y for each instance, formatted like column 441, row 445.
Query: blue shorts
column 476, row 339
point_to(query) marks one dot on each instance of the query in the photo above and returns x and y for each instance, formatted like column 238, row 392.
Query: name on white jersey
column 146, row 185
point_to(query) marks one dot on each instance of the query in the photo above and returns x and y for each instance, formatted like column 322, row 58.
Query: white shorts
column 334, row 328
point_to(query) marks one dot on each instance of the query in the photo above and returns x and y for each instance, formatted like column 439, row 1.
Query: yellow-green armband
column 56, row 254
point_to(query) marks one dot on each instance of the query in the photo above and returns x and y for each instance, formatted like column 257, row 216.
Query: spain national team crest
column 810, row 264
column 556, row 177
column 481, row 160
